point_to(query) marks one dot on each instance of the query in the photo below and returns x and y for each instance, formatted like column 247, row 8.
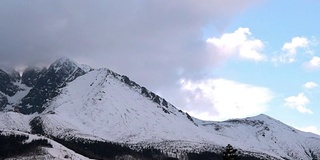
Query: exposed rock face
column 7, row 84
column 3, row 101
column 46, row 84
column 31, row 76
column 14, row 76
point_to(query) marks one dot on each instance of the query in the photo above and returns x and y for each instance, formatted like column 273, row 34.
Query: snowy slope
column 267, row 135
column 16, row 99
column 100, row 105
column 14, row 121
column 106, row 107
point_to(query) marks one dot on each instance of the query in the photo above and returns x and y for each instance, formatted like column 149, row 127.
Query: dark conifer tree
column 230, row 153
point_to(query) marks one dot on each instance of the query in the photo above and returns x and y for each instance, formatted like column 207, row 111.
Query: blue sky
column 275, row 23
column 215, row 59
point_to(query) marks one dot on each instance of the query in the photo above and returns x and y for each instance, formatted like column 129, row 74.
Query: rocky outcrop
column 47, row 84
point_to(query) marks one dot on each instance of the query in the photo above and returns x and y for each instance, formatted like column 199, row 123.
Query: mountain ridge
column 100, row 105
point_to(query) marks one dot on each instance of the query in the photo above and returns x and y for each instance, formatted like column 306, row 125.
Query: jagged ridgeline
column 100, row 114
column 38, row 85
column 46, row 84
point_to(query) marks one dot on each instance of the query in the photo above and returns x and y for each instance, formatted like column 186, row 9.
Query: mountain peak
column 65, row 70
column 12, row 73
column 262, row 117
column 7, row 85
column 63, row 62
column 47, row 84
column 64, row 59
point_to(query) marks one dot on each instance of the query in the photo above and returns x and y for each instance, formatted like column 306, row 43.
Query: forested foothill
column 15, row 145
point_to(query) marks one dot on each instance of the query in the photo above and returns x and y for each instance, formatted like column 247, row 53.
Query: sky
column 215, row 59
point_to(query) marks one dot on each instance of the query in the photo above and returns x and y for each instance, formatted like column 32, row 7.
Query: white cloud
column 220, row 99
column 310, row 85
column 295, row 43
column 314, row 63
column 239, row 43
column 311, row 129
column 290, row 50
column 298, row 102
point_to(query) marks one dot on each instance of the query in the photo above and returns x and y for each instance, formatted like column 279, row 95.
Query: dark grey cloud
column 153, row 41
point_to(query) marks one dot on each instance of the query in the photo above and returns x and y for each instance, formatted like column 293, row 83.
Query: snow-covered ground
column 24, row 90
column 14, row 121
column 15, row 99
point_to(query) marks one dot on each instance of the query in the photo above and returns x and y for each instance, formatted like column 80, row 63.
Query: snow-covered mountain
column 69, row 102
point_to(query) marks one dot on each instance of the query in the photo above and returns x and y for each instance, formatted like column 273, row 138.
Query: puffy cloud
column 289, row 50
column 220, row 99
column 311, row 129
column 240, row 43
column 314, row 63
column 296, row 42
column 310, row 85
column 298, row 102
